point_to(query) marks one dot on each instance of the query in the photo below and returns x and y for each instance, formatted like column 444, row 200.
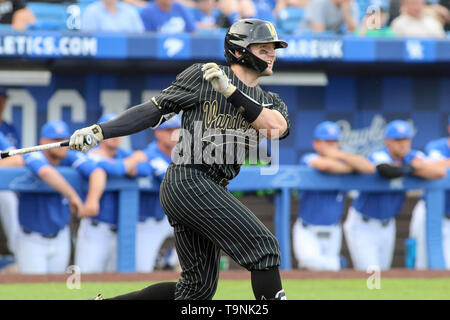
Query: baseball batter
column 437, row 151
column 225, row 113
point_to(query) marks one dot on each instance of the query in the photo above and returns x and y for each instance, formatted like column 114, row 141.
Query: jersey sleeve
column 5, row 145
column 81, row 163
column 159, row 168
column 414, row 154
column 143, row 169
column 183, row 93
column 113, row 168
column 378, row 157
column 434, row 151
column 281, row 107
column 307, row 158
column 35, row 161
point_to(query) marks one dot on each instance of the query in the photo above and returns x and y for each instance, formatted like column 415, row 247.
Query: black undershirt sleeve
column 135, row 119
column 389, row 171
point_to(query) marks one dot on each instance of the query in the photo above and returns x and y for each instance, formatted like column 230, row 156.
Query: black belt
column 96, row 223
column 217, row 179
column 384, row 223
column 47, row 236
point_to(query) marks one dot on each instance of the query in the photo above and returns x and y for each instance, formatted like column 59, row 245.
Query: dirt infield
column 229, row 275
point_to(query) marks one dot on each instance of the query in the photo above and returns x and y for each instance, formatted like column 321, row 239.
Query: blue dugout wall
column 284, row 180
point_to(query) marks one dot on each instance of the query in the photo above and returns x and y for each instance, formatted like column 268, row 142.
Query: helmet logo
column 272, row 30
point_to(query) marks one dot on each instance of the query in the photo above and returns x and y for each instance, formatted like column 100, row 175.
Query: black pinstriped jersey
column 213, row 131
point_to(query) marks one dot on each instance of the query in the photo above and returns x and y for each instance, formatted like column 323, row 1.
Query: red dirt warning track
column 231, row 275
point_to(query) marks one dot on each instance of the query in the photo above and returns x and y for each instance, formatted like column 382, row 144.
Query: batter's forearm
column 133, row 120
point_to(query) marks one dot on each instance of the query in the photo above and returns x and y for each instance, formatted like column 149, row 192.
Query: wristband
column 249, row 108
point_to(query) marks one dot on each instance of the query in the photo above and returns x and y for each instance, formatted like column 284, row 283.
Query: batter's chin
column 267, row 72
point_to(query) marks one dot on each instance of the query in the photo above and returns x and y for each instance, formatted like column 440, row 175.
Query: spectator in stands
column 413, row 22
column 437, row 151
column 167, row 16
column 96, row 248
column 9, row 206
column 8, row 199
column 258, row 9
column 440, row 11
column 229, row 13
column 446, row 5
column 338, row 16
column 205, row 13
column 289, row 14
column 374, row 23
column 44, row 239
column 153, row 227
column 16, row 14
column 111, row 15
column 370, row 225
column 317, row 233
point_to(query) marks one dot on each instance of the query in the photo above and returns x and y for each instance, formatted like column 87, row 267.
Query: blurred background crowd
column 385, row 18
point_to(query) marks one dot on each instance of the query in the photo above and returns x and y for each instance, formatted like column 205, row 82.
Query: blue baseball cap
column 107, row 117
column 327, row 130
column 174, row 122
column 3, row 92
column 398, row 129
column 56, row 129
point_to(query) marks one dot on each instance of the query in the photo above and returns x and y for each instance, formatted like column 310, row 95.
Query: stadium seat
column 49, row 16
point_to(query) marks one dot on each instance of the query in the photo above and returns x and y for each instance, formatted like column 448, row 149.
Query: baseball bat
column 65, row 143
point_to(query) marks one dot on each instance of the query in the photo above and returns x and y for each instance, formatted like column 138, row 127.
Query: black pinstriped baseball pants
column 206, row 218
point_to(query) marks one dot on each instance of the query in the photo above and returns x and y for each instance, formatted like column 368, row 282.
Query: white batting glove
column 86, row 138
column 218, row 79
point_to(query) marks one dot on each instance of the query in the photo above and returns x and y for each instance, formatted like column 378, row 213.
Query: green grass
column 314, row 289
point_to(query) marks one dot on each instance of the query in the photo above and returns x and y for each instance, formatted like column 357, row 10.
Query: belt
column 96, row 223
column 47, row 236
column 217, row 179
column 384, row 223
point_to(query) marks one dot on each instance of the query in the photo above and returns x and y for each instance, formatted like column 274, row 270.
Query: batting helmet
column 245, row 32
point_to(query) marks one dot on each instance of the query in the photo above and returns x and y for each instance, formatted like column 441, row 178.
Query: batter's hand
column 78, row 140
column 218, row 79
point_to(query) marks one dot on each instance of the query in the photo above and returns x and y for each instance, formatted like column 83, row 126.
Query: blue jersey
column 200, row 16
column 440, row 150
column 47, row 213
column 149, row 201
column 319, row 207
column 5, row 144
column 10, row 133
column 109, row 202
column 177, row 20
column 384, row 205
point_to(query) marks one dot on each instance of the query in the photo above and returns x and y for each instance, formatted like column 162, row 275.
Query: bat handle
column 87, row 140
